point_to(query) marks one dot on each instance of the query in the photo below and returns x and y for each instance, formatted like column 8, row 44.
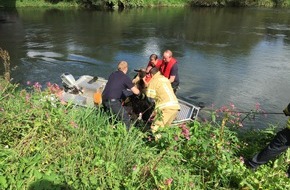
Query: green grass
column 45, row 144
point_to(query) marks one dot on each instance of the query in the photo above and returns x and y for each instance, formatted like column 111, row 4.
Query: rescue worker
column 159, row 89
column 169, row 69
column 111, row 97
column 153, row 62
column 278, row 145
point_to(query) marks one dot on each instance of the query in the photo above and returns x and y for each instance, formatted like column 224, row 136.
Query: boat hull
column 88, row 85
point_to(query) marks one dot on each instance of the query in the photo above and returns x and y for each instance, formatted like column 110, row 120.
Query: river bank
column 47, row 144
column 102, row 4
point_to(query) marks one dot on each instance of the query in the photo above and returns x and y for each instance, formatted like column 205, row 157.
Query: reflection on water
column 225, row 55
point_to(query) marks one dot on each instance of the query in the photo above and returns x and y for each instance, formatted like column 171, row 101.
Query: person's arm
column 135, row 90
column 136, row 79
column 130, row 85
column 150, row 91
column 149, row 67
column 173, row 73
column 171, row 78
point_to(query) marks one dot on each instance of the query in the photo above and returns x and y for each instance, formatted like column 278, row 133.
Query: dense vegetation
column 112, row 4
column 47, row 144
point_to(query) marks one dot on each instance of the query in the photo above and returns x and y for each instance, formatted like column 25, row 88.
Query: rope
column 247, row 112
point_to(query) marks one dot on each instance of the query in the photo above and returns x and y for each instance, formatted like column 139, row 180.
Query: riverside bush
column 45, row 144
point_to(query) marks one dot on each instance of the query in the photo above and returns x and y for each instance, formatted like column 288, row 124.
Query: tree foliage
column 121, row 4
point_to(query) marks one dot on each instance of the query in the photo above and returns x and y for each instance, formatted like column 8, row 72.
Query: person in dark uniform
column 277, row 146
column 111, row 97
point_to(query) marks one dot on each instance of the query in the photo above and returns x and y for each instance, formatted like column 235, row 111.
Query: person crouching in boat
column 111, row 97
column 160, row 91
column 153, row 62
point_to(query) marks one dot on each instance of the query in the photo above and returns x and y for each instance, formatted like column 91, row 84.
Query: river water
column 225, row 55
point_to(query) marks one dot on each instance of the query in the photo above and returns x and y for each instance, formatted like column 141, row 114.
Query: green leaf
column 37, row 124
column 3, row 182
column 93, row 180
column 37, row 174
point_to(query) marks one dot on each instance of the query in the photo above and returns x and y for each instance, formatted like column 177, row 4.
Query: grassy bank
column 37, row 3
column 45, row 144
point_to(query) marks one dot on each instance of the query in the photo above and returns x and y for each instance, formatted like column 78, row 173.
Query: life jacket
column 148, row 78
column 158, row 64
column 165, row 68
column 98, row 96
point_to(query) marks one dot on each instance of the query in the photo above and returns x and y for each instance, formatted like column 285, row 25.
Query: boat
column 81, row 92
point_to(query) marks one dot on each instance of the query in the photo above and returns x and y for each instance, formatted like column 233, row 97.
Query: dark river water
column 225, row 55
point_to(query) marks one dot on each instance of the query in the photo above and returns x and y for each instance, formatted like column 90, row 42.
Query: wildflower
column 27, row 97
column 149, row 138
column 185, row 131
column 176, row 138
column 258, row 106
column 73, row 124
column 53, row 88
column 191, row 184
column 28, row 83
column 134, row 167
column 1, row 109
column 168, row 181
column 37, row 86
column 232, row 106
column 48, row 84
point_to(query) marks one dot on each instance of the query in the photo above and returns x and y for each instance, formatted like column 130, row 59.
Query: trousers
column 168, row 115
column 278, row 145
column 116, row 108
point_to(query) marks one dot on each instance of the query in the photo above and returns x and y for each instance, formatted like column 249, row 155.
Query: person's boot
column 248, row 165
